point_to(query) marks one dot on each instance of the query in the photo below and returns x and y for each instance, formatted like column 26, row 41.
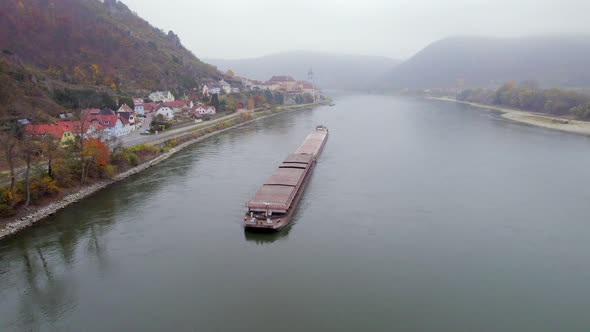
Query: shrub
column 109, row 172
column 42, row 187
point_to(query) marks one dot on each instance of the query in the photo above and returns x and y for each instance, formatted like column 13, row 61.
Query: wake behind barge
column 273, row 205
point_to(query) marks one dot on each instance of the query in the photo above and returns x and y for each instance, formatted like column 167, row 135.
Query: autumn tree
column 96, row 156
column 229, row 73
column 95, row 70
column 79, row 74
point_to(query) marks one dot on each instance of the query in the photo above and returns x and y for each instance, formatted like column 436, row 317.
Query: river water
column 420, row 216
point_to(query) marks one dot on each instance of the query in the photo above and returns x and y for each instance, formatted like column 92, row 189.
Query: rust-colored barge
column 272, row 206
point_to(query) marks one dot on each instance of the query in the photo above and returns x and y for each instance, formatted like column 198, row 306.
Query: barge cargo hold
column 272, row 206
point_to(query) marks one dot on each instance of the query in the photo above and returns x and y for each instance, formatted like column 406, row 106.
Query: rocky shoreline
column 36, row 215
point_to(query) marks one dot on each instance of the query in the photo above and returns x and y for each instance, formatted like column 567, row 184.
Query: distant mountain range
column 331, row 71
column 481, row 62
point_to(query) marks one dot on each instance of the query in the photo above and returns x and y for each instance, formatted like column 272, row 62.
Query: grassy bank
column 532, row 118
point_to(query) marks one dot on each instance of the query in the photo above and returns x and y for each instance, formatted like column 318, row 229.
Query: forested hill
column 331, row 71
column 92, row 44
column 488, row 62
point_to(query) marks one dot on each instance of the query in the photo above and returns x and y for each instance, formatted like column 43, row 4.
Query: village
column 161, row 110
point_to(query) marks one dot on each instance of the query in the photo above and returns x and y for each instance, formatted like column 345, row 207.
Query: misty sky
column 392, row 28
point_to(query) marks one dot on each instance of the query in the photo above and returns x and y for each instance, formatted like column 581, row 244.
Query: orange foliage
column 98, row 151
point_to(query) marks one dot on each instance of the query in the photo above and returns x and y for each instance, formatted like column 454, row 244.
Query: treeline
column 528, row 96
column 44, row 169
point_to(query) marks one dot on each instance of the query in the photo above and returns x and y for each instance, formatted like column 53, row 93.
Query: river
column 420, row 216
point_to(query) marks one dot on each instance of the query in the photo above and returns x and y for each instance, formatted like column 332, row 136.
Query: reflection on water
column 260, row 237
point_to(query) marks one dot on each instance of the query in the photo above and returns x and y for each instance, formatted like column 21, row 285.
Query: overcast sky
column 392, row 28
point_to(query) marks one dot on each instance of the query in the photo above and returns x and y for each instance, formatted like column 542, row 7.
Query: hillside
column 488, row 62
column 92, row 45
column 331, row 71
column 21, row 94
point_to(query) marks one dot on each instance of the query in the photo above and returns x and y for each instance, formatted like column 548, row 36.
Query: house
column 214, row 90
column 225, row 87
column 138, row 106
column 149, row 107
column 205, row 110
column 308, row 88
column 178, row 105
column 285, row 83
column 134, row 122
column 64, row 131
column 194, row 115
column 235, row 90
column 124, row 108
column 56, row 131
column 246, row 83
column 127, row 127
column 161, row 96
column 166, row 112
column 112, row 125
column 66, row 116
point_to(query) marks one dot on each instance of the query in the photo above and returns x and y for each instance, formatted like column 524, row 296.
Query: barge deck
column 272, row 206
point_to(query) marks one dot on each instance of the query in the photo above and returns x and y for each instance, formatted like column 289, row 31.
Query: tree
column 96, row 156
column 79, row 74
column 222, row 106
column 581, row 111
column 9, row 139
column 51, row 150
column 95, row 69
column 229, row 73
column 28, row 152
column 214, row 101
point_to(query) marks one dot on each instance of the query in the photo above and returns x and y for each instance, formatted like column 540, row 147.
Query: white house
column 138, row 106
column 115, row 129
column 235, row 90
column 246, row 83
column 161, row 96
column 166, row 112
column 112, row 124
column 205, row 110
column 226, row 87
column 214, row 90
column 130, row 118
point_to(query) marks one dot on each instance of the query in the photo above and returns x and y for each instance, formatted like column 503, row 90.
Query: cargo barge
column 272, row 206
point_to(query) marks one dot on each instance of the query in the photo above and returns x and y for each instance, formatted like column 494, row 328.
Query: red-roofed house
column 286, row 83
column 53, row 130
column 112, row 124
column 124, row 108
column 150, row 107
column 178, row 105
column 64, row 131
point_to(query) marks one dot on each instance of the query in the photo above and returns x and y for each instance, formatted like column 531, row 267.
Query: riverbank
column 531, row 118
column 12, row 226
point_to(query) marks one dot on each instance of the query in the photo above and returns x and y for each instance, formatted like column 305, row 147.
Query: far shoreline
column 531, row 118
